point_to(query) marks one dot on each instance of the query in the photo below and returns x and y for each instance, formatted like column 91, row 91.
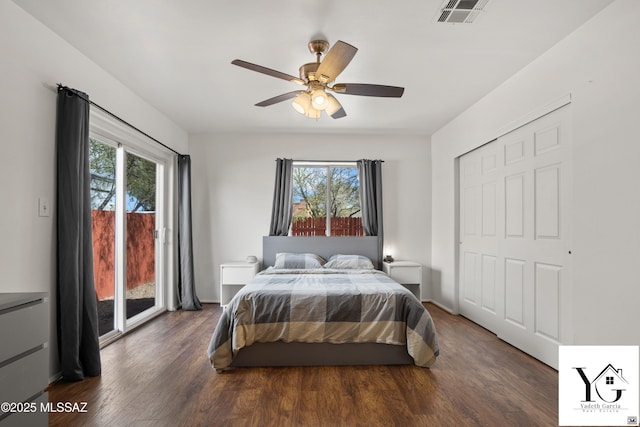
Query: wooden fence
column 140, row 250
column 317, row 226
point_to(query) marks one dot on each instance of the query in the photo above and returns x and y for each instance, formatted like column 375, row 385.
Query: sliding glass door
column 102, row 163
column 127, row 201
column 141, row 226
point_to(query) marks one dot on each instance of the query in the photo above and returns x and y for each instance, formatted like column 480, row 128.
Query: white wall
column 233, row 179
column 32, row 61
column 599, row 66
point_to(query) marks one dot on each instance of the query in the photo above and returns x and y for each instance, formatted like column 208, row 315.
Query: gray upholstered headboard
column 320, row 245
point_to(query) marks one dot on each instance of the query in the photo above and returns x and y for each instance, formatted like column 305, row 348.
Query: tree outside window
column 141, row 179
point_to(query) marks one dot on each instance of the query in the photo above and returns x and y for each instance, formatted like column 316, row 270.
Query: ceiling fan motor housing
column 308, row 71
column 317, row 47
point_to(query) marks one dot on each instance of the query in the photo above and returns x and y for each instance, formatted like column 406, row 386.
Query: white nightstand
column 233, row 276
column 407, row 273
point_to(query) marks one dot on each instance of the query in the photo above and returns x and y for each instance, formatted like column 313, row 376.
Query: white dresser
column 233, row 276
column 407, row 273
column 24, row 357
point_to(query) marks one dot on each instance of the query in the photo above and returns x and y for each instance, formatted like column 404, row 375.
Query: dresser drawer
column 23, row 328
column 25, row 377
column 31, row 419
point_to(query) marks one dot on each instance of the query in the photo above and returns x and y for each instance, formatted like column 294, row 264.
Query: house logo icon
column 608, row 385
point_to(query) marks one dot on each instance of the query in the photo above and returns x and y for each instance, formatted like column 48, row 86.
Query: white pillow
column 298, row 261
column 349, row 262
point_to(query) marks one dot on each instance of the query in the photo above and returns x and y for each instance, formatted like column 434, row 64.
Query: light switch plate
column 43, row 206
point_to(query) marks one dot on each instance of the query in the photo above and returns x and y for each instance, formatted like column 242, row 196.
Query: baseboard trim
column 444, row 307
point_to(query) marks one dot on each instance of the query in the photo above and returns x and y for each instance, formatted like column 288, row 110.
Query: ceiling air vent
column 461, row 11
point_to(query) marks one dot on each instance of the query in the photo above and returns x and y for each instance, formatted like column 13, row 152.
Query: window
column 326, row 199
column 609, row 380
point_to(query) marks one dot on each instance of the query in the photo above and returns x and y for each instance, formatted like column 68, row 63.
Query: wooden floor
column 159, row 375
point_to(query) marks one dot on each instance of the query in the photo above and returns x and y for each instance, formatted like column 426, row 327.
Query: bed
column 301, row 311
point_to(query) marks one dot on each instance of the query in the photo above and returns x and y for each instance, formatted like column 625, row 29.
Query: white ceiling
column 176, row 55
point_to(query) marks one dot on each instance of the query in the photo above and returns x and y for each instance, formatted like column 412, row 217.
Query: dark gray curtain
column 282, row 199
column 189, row 299
column 370, row 176
column 77, row 313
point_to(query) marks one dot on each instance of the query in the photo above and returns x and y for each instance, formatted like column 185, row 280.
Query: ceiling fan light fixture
column 319, row 99
column 332, row 105
column 302, row 103
column 312, row 113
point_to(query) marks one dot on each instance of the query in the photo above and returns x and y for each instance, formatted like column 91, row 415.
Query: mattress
column 324, row 306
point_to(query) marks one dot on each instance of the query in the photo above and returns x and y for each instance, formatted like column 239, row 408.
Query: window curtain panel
column 188, row 298
column 77, row 306
column 282, row 210
column 370, row 177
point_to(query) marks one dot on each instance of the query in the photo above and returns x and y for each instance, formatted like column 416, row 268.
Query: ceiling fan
column 319, row 79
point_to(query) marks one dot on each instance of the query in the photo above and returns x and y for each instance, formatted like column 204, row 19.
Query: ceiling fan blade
column 267, row 71
column 279, row 98
column 368, row 90
column 339, row 114
column 334, row 109
column 335, row 61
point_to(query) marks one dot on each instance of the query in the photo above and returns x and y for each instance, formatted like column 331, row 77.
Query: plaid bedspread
column 323, row 305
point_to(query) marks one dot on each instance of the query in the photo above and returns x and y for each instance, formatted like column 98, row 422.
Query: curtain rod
column 329, row 161
column 61, row 86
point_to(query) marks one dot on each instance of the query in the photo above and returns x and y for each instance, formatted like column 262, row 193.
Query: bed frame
column 320, row 354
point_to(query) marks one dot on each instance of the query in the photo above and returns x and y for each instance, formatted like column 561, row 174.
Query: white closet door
column 480, row 188
column 514, row 236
